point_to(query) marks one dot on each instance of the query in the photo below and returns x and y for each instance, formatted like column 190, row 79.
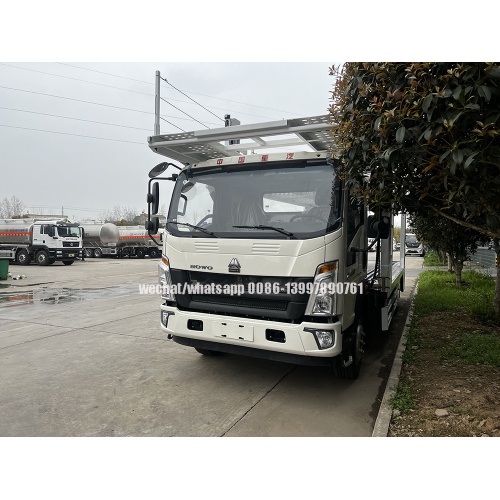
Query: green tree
column 443, row 235
column 425, row 137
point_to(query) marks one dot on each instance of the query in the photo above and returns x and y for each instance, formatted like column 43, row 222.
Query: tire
column 42, row 258
column 87, row 253
column 140, row 253
column 207, row 352
column 23, row 258
column 51, row 261
column 354, row 347
column 68, row 262
column 154, row 253
column 97, row 253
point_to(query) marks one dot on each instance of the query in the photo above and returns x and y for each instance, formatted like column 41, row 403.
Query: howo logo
column 196, row 266
column 234, row 266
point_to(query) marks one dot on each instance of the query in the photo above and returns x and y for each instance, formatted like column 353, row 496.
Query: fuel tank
column 131, row 236
column 98, row 234
column 16, row 231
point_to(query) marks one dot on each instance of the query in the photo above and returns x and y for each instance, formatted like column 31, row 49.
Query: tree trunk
column 450, row 264
column 496, row 299
column 458, row 273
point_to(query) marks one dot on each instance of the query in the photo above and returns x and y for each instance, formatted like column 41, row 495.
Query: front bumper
column 67, row 253
column 250, row 334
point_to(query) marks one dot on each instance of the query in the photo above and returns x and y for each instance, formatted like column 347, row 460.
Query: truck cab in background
column 42, row 241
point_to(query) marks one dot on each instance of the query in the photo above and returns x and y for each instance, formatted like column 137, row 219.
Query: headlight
column 323, row 300
column 164, row 279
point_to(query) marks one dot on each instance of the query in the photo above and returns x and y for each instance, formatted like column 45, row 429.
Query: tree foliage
column 423, row 135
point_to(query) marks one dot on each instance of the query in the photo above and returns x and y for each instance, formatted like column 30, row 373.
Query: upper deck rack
column 201, row 145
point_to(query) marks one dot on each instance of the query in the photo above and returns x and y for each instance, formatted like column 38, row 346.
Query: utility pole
column 157, row 104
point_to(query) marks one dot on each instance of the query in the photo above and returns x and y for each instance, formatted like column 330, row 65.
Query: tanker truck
column 101, row 240
column 42, row 241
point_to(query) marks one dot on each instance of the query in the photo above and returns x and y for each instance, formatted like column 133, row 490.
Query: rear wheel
column 140, row 253
column 97, row 253
column 23, row 257
column 347, row 365
column 154, row 253
column 42, row 258
column 87, row 253
column 207, row 352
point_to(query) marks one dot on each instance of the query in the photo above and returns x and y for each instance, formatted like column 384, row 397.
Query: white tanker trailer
column 44, row 241
column 110, row 240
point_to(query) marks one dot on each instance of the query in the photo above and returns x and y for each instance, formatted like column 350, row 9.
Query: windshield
column 411, row 238
column 73, row 232
column 302, row 200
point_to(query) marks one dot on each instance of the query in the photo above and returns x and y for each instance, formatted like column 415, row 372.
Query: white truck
column 107, row 239
column 266, row 254
column 43, row 241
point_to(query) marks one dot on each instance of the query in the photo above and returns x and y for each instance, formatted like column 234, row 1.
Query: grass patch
column 473, row 349
column 437, row 291
column 432, row 259
column 403, row 399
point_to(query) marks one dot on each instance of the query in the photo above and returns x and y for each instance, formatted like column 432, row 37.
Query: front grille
column 201, row 278
column 70, row 243
column 273, row 305
column 253, row 302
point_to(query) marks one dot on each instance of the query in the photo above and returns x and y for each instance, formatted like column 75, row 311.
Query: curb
column 381, row 427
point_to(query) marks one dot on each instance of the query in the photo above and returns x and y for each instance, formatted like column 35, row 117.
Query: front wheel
column 68, row 262
column 347, row 364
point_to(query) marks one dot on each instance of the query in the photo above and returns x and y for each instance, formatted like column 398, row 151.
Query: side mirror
column 154, row 198
column 153, row 225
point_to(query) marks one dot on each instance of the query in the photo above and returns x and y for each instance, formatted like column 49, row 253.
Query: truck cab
column 266, row 254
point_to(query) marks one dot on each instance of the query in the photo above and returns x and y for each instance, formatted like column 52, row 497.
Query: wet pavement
column 82, row 354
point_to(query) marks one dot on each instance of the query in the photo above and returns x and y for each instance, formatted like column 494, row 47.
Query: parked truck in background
column 282, row 230
column 107, row 239
column 43, row 241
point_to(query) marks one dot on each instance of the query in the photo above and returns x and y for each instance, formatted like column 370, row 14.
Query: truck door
column 39, row 234
column 355, row 261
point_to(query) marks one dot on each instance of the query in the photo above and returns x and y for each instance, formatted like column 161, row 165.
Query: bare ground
column 467, row 395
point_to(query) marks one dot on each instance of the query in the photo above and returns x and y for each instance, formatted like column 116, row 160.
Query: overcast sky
column 74, row 136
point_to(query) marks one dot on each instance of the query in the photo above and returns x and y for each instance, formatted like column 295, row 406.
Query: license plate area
column 71, row 255
column 231, row 330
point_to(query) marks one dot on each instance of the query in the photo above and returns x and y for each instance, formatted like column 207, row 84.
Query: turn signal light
column 326, row 268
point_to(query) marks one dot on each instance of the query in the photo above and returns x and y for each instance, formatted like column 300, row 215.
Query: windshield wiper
column 195, row 227
column 279, row 229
